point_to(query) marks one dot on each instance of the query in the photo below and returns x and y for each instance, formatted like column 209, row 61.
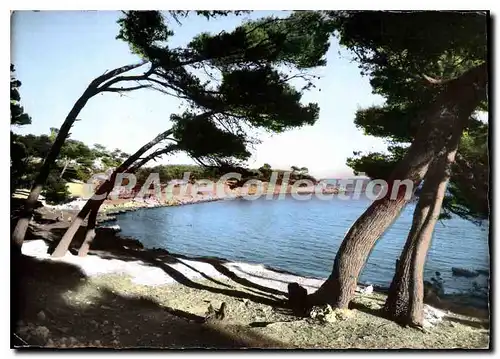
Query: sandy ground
column 137, row 298
column 121, row 295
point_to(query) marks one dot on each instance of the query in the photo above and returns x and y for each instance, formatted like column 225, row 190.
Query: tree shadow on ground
column 263, row 297
column 218, row 265
column 274, row 280
column 457, row 306
column 108, row 245
column 362, row 307
column 481, row 324
column 60, row 290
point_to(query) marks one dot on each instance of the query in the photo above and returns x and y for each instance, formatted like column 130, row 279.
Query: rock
column 325, row 314
column 50, row 343
column 24, row 330
column 297, row 299
column 343, row 314
column 431, row 293
column 73, row 341
column 42, row 332
column 219, row 314
column 329, row 317
column 373, row 305
column 462, row 272
column 97, row 342
column 115, row 342
column 432, row 316
column 367, row 290
column 483, row 272
column 321, row 313
column 41, row 315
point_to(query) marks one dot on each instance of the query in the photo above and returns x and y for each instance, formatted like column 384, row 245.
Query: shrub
column 56, row 190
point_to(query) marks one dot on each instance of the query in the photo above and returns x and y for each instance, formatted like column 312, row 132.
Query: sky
column 58, row 53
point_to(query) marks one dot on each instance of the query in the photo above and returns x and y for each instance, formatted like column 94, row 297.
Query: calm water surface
column 302, row 236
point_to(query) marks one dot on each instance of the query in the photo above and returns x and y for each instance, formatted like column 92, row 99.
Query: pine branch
column 120, row 70
column 125, row 89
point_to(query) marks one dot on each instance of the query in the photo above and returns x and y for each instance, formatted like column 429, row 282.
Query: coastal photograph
column 250, row 179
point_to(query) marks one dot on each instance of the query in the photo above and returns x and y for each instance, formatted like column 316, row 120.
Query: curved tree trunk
column 104, row 190
column 41, row 178
column 90, row 232
column 404, row 303
column 92, row 90
column 458, row 96
column 92, row 204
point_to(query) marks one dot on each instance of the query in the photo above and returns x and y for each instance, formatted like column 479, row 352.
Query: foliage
column 171, row 172
column 396, row 60
column 17, row 115
column 398, row 63
column 231, row 81
column 77, row 161
column 56, row 190
column 469, row 185
column 17, row 118
column 265, row 170
column 247, row 88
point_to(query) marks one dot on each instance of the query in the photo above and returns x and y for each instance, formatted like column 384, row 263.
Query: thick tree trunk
column 90, row 234
column 103, row 190
column 438, row 126
column 36, row 189
column 404, row 303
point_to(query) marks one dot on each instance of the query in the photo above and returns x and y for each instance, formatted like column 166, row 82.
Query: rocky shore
column 123, row 295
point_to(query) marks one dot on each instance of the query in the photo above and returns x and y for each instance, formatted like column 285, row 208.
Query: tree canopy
column 17, row 115
column 403, row 66
column 232, row 82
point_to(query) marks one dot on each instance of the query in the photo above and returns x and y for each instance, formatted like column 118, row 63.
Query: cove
column 303, row 237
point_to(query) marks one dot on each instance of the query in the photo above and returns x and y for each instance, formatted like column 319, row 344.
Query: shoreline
column 110, row 237
column 122, row 281
column 112, row 208
column 70, row 307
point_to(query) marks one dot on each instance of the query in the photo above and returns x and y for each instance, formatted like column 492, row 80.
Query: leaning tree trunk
column 404, row 303
column 438, row 125
column 90, row 231
column 36, row 189
column 103, row 190
column 90, row 234
column 98, row 85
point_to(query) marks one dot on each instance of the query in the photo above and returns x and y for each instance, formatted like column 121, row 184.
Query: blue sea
column 303, row 237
